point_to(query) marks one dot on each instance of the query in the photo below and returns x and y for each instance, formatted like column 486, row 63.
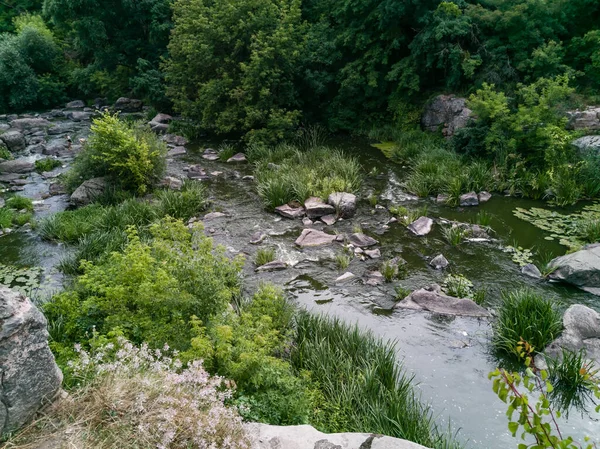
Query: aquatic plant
column 401, row 292
column 264, row 256
column 342, row 260
column 454, row 234
column 389, row 270
column 525, row 315
column 483, row 218
column 225, row 151
column 46, row 164
column 22, row 279
column 362, row 384
column 589, row 230
column 521, row 256
column 458, row 286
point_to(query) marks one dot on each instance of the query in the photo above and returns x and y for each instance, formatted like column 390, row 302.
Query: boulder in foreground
column 581, row 268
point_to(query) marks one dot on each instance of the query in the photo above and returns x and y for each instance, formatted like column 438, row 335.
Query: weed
column 47, row 164
column 454, row 235
column 264, row 256
column 589, row 230
column 483, row 218
column 343, row 260
column 525, row 315
column 401, row 292
column 18, row 202
column 6, row 217
column 458, row 286
column 226, row 151
column 389, row 270
column 183, row 204
column 373, row 200
column 5, row 153
column 479, row 296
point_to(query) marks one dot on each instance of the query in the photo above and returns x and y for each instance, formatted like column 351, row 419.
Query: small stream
column 448, row 356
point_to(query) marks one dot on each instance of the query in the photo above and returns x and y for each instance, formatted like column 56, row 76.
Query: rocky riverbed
column 449, row 355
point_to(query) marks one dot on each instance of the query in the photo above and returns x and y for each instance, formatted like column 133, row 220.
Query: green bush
column 298, row 175
column 18, row 202
column 150, row 292
column 47, row 164
column 129, row 153
column 525, row 315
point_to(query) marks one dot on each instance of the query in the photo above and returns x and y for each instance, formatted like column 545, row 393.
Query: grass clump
column 391, row 269
column 5, row 153
column 343, row 260
column 47, row 164
column 483, row 218
column 6, row 217
column 525, row 315
column 589, row 230
column 264, row 256
column 226, row 151
column 18, row 202
column 150, row 394
column 363, row 385
column 130, row 154
column 401, row 292
column 454, row 235
column 458, row 286
column 285, row 173
column 183, row 204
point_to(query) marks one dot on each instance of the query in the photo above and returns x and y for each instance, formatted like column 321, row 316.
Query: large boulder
column 469, row 199
column 344, row 203
column 160, row 123
column 266, row 436
column 75, row 104
column 447, row 112
column 589, row 118
column 313, row 237
column 17, row 166
column 14, row 140
column 87, row 192
column 432, row 299
column 29, row 123
column 582, row 331
column 588, row 144
column 29, row 374
column 124, row 104
column 581, row 268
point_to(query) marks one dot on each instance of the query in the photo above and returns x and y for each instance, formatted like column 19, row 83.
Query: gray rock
column 171, row 182
column 531, row 270
column 312, row 237
column 214, row 215
column 17, row 166
column 439, row 262
column 421, row 226
column 54, row 148
column 442, row 198
column 484, row 196
column 88, row 191
column 196, row 172
column 100, row 103
column 265, row 436
column 373, row 253
column 307, row 221
column 447, row 112
column 586, row 119
column 469, row 199
column 316, row 208
column 159, row 128
column 176, row 151
column 432, row 300
column 345, row 278
column 75, row 104
column 56, row 188
column 276, row 265
column 361, row 240
column 239, row 157
column 35, row 149
column 30, row 376
column 124, row 104
column 14, row 140
column 172, row 139
column 344, row 203
column 290, row 212
column 375, row 278
column 258, row 237
column 582, row 331
column 329, row 220
column 29, row 123
column 581, row 268
column 162, row 118
column 79, row 116
column 588, row 144
column 210, row 155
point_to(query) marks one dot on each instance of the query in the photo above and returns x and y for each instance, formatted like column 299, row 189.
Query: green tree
column 234, row 65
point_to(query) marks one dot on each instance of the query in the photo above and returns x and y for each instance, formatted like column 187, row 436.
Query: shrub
column 525, row 315
column 129, row 153
column 131, row 397
column 47, row 164
column 152, row 291
column 264, row 256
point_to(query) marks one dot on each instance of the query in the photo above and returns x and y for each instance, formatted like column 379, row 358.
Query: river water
column 449, row 357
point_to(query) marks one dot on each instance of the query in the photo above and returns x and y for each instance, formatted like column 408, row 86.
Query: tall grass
column 454, row 235
column 364, row 387
column 525, row 315
column 589, row 230
column 264, row 256
column 298, row 174
column 6, row 217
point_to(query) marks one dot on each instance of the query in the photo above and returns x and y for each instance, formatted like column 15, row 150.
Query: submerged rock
column 361, row 240
column 313, row 237
column 469, row 199
column 344, row 203
column 288, row 211
column 266, row 436
column 582, row 331
column 171, row 182
column 316, row 208
column 447, row 112
column 30, row 376
column 87, row 192
column 581, row 268
column 431, row 299
column 439, row 262
column 276, row 265
column 421, row 226
column 214, row 215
